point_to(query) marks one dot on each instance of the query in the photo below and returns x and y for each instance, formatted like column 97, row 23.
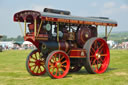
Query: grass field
column 13, row 71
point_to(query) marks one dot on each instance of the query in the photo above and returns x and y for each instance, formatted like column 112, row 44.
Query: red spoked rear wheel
column 35, row 63
column 57, row 64
column 98, row 56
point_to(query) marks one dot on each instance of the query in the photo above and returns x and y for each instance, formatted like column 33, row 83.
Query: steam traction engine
column 64, row 42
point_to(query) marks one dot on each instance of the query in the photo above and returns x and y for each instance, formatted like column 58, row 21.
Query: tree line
column 18, row 38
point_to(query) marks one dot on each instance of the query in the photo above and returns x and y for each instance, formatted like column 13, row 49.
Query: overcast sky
column 115, row 9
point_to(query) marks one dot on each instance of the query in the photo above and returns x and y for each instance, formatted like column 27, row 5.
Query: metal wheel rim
column 99, row 56
column 58, row 64
column 36, row 64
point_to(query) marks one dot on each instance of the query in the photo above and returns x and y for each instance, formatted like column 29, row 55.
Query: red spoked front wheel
column 35, row 63
column 98, row 56
column 57, row 64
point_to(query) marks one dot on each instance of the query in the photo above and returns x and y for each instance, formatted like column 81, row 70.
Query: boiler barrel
column 52, row 45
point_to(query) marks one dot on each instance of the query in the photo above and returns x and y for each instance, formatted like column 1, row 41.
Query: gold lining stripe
column 41, row 38
column 77, row 56
column 77, row 50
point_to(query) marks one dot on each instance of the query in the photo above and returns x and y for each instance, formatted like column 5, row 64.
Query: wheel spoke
column 36, row 56
column 93, row 63
column 62, row 58
column 50, row 63
column 40, row 69
column 52, row 59
column 103, row 60
column 100, row 61
column 51, row 67
column 37, row 69
column 59, row 73
column 96, row 67
column 56, row 71
column 63, row 62
column 100, row 50
column 101, row 46
column 34, row 68
column 59, row 57
column 39, row 55
column 92, row 56
column 62, row 69
column 53, row 70
column 43, row 66
column 103, row 54
column 95, row 44
column 33, row 58
column 55, row 58
column 31, row 62
column 91, row 53
column 32, row 65
column 42, row 62
column 63, row 66
column 93, row 49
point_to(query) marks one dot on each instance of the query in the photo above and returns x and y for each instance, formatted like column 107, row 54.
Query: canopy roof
column 30, row 15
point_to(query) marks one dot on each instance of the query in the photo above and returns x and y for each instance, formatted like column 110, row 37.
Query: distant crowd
column 17, row 47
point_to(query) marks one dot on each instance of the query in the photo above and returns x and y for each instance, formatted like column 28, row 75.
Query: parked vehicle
column 64, row 42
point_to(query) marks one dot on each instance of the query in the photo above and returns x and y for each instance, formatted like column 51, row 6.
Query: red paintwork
column 81, row 35
column 23, row 15
column 36, row 65
column 77, row 53
column 61, row 58
column 71, row 42
column 75, row 21
column 99, row 64
column 31, row 38
column 31, row 26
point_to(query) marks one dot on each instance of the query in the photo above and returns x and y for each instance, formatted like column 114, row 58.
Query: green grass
column 13, row 71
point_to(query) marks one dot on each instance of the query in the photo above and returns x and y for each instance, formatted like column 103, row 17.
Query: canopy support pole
column 58, row 32
column 35, row 26
column 24, row 27
column 109, row 32
column 39, row 27
column 21, row 28
column 106, row 33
